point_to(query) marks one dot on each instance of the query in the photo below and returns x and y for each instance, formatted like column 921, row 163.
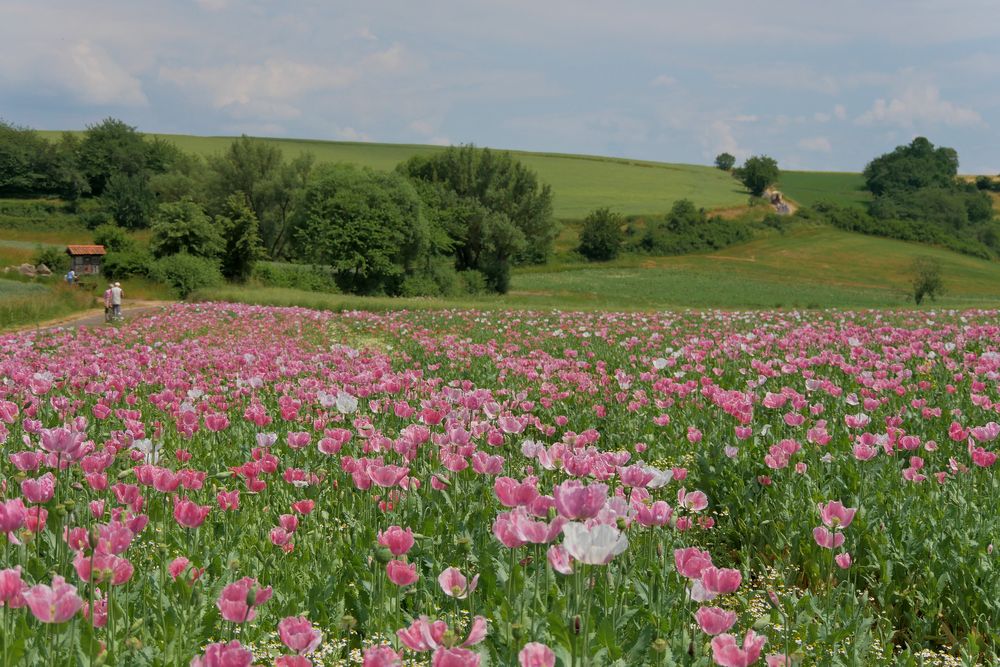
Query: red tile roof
column 85, row 249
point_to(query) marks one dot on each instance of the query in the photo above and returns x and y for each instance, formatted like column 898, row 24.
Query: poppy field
column 232, row 485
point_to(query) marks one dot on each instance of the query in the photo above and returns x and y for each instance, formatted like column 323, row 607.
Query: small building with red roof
column 85, row 259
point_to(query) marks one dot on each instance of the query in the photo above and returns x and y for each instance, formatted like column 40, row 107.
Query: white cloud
column 98, row 79
column 267, row 89
column 718, row 138
column 366, row 34
column 840, row 112
column 662, row 81
column 819, row 144
column 918, row 103
column 822, row 117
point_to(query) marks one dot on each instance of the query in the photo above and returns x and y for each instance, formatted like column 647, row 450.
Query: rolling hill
column 580, row 183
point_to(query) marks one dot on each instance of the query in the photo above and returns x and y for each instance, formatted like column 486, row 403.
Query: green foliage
column 53, row 257
column 926, row 278
column 985, row 243
column 368, row 226
column 687, row 229
column 108, row 148
column 187, row 273
column 183, row 227
column 500, row 184
column 30, row 303
column 29, row 165
column 307, row 277
column 127, row 263
column 725, row 161
column 241, row 237
column 912, row 167
column 601, row 237
column 129, row 200
column 270, row 186
column 758, row 173
column 113, row 238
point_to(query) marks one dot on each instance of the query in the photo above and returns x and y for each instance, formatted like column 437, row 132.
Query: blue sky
column 816, row 85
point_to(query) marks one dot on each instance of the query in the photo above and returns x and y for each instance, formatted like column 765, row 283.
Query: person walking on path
column 107, row 303
column 116, row 300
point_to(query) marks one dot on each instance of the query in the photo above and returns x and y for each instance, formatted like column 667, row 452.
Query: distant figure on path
column 107, row 303
column 71, row 276
column 116, row 300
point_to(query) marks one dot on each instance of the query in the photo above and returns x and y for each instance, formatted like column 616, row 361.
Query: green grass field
column 24, row 303
column 809, row 187
column 807, row 267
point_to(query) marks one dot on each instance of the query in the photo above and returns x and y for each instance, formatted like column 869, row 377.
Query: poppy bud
column 575, row 625
column 383, row 555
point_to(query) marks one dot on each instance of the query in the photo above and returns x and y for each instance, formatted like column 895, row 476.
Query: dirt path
column 94, row 316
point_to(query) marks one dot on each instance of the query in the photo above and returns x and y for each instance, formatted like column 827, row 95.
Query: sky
column 816, row 85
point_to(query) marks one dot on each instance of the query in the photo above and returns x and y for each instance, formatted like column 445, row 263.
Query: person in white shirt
column 117, row 293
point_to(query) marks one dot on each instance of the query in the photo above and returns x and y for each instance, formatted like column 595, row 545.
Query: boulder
column 43, row 270
column 27, row 270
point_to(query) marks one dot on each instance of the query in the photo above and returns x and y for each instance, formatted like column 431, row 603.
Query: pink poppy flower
column 713, row 620
column 381, row 656
column 292, row 661
column 778, row 660
column 576, row 501
column 396, row 539
column 40, row 489
column 720, row 581
column 835, row 515
column 843, row 560
column 727, row 653
column 224, row 655
column 299, row 635
column 454, row 657
column 694, row 501
column 826, row 539
column 12, row 515
column 424, row 635
column 189, row 514
column 691, row 562
column 535, row 654
column 400, row 573
column 233, row 600
column 12, row 588
column 454, row 584
column 53, row 604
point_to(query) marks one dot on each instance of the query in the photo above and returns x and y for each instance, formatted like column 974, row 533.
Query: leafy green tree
column 108, row 148
column 758, row 173
column 601, row 237
column 725, row 161
column 367, row 225
column 183, row 227
column 912, row 167
column 129, row 200
column 113, row 238
column 53, row 257
column 271, row 187
column 240, row 233
column 499, row 183
column 925, row 278
column 29, row 165
column 187, row 273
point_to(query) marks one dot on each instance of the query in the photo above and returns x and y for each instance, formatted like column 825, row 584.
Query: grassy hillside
column 580, row 183
column 806, row 266
column 809, row 187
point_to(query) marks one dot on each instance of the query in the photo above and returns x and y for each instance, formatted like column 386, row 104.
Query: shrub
column 307, row 277
column 601, row 237
column 187, row 273
column 113, row 238
column 758, row 173
column 121, row 264
column 725, row 161
column 926, row 278
column 473, row 282
column 53, row 257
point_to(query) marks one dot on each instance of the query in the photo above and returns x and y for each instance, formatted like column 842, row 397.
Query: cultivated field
column 461, row 487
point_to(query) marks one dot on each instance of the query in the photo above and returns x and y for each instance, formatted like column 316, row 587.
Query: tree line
column 453, row 222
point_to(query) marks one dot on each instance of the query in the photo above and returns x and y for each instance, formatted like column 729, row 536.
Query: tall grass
column 28, row 303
